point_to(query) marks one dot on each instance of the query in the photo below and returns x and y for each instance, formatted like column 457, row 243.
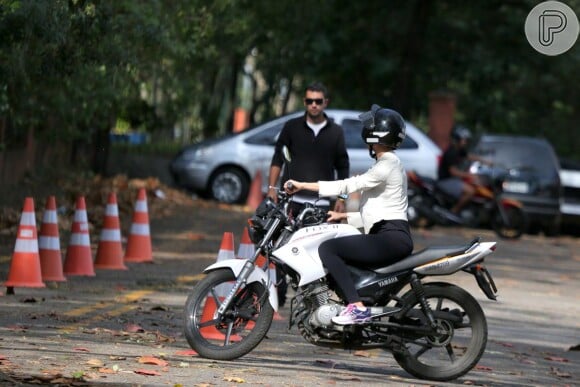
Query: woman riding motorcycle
column 382, row 213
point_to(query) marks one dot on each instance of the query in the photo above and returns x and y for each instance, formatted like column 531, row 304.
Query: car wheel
column 552, row 227
column 229, row 185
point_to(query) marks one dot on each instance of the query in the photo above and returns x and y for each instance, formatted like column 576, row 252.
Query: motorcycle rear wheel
column 242, row 327
column 516, row 223
column 461, row 339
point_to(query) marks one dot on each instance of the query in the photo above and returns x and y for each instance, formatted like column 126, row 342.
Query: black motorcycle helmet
column 460, row 133
column 383, row 126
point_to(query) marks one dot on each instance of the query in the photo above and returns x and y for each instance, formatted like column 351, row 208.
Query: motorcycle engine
column 322, row 316
column 323, row 309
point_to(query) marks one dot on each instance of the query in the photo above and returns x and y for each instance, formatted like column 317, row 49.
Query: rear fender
column 507, row 202
column 257, row 275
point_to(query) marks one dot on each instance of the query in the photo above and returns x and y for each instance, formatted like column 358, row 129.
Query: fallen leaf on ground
column 134, row 328
column 147, row 372
column 234, row 379
column 508, row 345
column 189, row 352
column 195, row 237
column 558, row 373
column 556, row 358
column 483, row 368
column 81, row 349
column 152, row 360
column 96, row 363
column 105, row 370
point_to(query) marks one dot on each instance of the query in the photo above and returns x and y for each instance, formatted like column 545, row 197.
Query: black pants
column 386, row 243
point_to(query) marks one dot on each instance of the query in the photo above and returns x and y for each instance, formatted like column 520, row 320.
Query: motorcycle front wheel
column 459, row 341
column 241, row 328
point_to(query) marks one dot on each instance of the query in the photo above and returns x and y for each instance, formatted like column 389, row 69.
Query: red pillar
column 241, row 119
column 442, row 106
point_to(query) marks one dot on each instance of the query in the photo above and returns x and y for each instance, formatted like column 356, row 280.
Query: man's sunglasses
column 309, row 101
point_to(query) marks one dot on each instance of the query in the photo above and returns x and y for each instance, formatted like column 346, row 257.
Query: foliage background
column 71, row 70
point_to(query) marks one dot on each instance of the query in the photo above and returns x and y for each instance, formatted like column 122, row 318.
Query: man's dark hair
column 317, row 86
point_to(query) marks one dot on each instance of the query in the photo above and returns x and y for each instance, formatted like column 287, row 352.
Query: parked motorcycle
column 428, row 205
column 435, row 330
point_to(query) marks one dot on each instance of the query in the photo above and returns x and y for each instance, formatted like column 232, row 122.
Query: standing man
column 317, row 149
column 318, row 152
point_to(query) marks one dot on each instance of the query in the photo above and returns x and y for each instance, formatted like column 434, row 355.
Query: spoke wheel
column 241, row 328
column 516, row 223
column 458, row 341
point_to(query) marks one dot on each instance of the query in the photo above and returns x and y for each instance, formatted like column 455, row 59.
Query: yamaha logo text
column 388, row 281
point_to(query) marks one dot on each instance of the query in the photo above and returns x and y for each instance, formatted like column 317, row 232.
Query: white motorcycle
column 434, row 330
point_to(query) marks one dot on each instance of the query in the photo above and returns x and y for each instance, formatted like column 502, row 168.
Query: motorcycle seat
column 424, row 256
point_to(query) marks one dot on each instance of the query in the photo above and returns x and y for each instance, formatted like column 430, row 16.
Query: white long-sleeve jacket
column 383, row 192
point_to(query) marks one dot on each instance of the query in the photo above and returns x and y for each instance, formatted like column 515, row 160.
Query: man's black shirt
column 452, row 157
column 314, row 158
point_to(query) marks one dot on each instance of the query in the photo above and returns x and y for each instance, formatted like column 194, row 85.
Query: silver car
column 223, row 168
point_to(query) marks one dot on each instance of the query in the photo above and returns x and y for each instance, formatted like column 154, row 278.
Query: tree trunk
column 405, row 80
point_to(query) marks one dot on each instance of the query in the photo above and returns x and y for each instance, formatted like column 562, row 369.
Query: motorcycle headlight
column 256, row 229
column 264, row 207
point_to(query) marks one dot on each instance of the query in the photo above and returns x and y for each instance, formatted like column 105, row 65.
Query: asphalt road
column 124, row 327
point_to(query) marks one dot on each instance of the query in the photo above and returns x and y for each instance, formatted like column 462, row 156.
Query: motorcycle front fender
column 257, row 275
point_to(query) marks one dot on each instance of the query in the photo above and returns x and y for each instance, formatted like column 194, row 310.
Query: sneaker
column 352, row 315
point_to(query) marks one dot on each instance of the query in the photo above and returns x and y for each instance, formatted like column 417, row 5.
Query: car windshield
column 514, row 154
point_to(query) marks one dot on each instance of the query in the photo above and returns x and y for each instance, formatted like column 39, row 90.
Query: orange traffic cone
column 25, row 265
column 49, row 244
column 139, row 241
column 79, row 258
column 110, row 249
column 246, row 249
column 255, row 195
column 226, row 251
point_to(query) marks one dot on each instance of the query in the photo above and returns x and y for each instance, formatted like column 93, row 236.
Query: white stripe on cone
column 80, row 240
column 111, row 235
column 48, row 243
column 140, row 229
column 28, row 219
column 112, row 210
column 49, row 217
column 141, row 206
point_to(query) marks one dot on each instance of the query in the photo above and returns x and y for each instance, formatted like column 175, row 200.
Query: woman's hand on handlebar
column 335, row 217
column 292, row 186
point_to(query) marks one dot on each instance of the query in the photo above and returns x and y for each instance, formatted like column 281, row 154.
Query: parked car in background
column 535, row 180
column 570, row 206
column 223, row 168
